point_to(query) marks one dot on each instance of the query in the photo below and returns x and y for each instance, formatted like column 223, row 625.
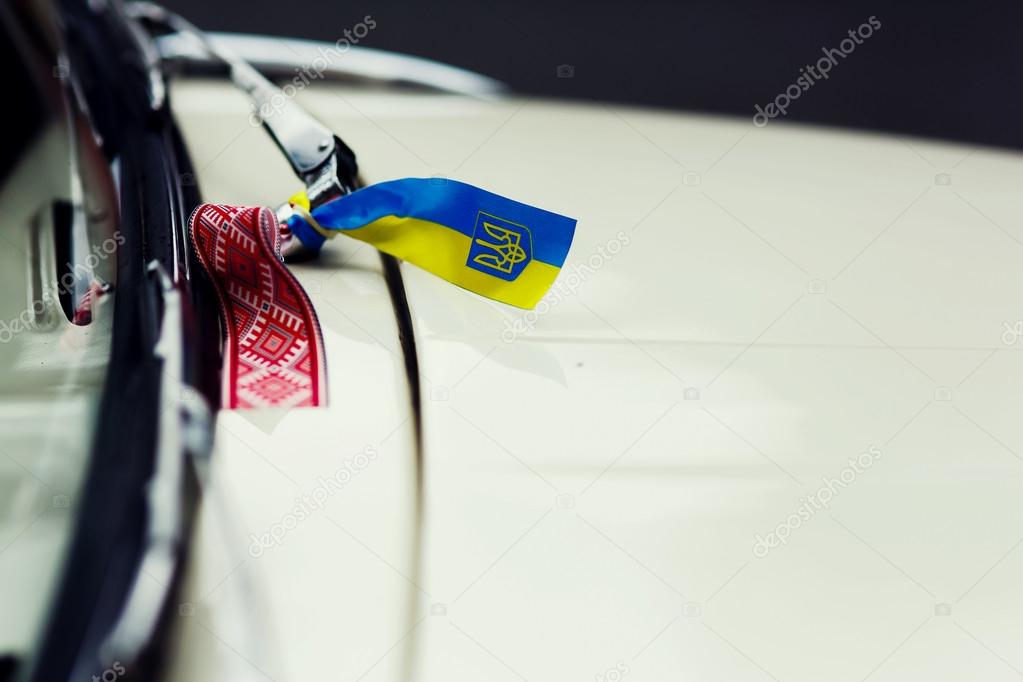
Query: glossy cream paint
column 765, row 426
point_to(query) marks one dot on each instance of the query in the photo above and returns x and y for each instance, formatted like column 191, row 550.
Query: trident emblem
column 505, row 249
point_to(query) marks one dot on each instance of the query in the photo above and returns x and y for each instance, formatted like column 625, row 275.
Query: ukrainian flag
column 483, row 242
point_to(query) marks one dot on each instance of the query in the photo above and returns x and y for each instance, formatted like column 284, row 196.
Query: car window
column 58, row 265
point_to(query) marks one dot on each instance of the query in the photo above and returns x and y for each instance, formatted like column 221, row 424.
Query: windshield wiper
column 321, row 160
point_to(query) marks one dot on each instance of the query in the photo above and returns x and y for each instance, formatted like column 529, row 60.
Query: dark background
column 952, row 71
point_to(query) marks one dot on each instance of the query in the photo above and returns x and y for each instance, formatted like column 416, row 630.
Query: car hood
column 746, row 316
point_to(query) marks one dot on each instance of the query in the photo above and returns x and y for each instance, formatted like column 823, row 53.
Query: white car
column 765, row 426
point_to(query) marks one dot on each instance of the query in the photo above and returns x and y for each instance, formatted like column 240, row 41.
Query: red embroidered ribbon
column 273, row 348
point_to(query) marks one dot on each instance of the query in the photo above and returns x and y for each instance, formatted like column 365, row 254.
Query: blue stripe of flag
column 453, row 204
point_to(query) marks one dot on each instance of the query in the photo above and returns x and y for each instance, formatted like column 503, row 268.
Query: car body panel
column 281, row 603
column 51, row 380
column 743, row 311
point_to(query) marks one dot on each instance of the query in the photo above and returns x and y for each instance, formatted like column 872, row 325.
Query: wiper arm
column 324, row 163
